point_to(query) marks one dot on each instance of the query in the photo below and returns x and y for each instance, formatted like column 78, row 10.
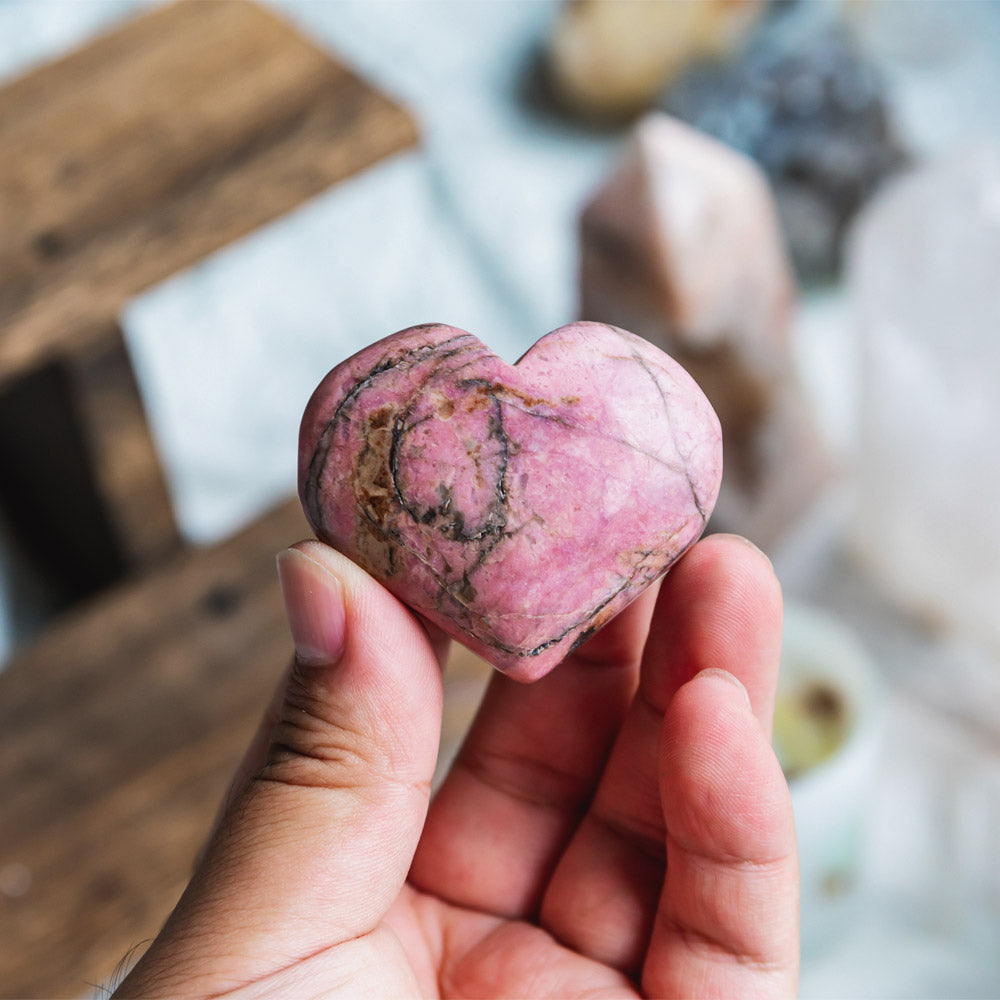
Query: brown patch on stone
column 602, row 618
column 374, row 491
column 529, row 401
column 641, row 281
column 479, row 397
column 466, row 593
column 380, row 418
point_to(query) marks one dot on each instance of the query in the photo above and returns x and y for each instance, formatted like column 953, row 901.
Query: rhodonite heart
column 518, row 507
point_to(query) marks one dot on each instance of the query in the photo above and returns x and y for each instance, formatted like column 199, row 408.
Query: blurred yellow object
column 610, row 58
column 828, row 724
column 810, row 723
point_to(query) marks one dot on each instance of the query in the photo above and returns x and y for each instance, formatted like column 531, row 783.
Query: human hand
column 619, row 828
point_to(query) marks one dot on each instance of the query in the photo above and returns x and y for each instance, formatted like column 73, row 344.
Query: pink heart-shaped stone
column 518, row 507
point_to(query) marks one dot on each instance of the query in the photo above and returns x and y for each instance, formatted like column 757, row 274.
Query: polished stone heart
column 518, row 507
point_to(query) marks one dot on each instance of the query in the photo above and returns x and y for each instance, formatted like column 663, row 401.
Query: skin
column 619, row 828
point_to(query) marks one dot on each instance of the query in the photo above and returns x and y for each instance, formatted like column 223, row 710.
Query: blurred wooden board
column 120, row 728
column 120, row 732
column 136, row 156
column 123, row 163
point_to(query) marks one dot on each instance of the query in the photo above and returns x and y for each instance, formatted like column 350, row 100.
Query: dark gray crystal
column 811, row 109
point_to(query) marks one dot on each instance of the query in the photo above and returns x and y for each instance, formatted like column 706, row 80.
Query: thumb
column 315, row 847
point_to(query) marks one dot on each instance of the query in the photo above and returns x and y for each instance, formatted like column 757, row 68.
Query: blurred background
column 801, row 201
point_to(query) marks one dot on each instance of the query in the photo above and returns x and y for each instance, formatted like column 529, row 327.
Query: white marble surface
column 478, row 230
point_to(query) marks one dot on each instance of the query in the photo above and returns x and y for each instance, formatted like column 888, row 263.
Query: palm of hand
column 620, row 828
column 431, row 948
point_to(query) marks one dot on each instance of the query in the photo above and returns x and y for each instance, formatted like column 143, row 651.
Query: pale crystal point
column 923, row 267
column 681, row 244
column 684, row 234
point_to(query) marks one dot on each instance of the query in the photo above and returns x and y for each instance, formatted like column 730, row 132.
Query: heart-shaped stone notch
column 518, row 507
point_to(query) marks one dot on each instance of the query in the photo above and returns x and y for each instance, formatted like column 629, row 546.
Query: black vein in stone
column 496, row 518
column 412, row 355
column 587, row 432
column 463, row 591
column 640, row 569
column 643, row 364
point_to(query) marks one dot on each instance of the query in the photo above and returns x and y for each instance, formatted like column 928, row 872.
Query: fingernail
column 314, row 605
column 717, row 673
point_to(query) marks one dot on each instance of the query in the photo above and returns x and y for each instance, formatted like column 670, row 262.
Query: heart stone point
column 519, row 507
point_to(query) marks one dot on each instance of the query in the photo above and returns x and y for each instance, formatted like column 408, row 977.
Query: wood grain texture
column 133, row 158
column 123, row 163
column 121, row 729
column 122, row 454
